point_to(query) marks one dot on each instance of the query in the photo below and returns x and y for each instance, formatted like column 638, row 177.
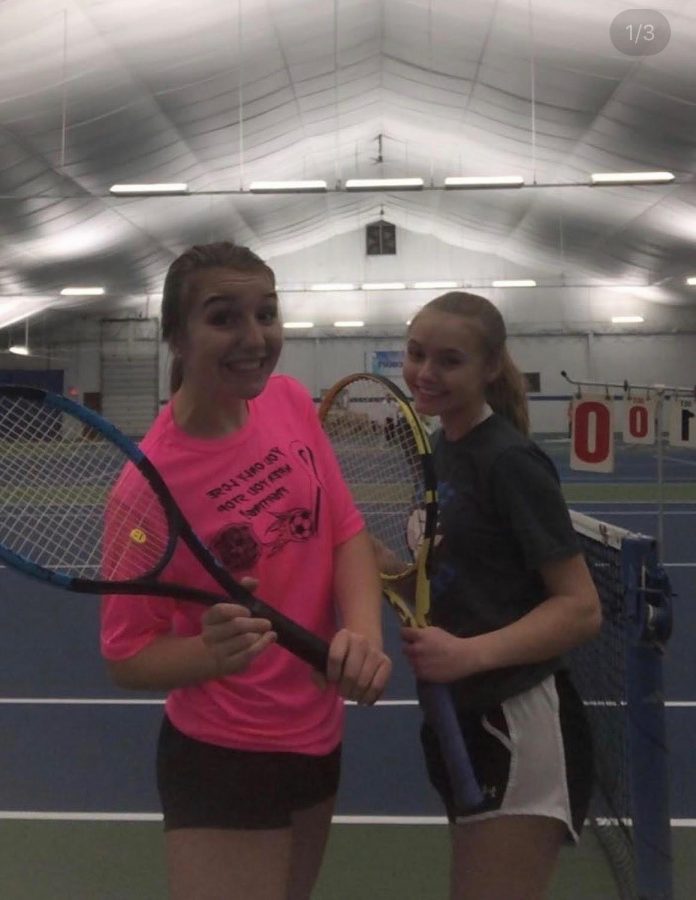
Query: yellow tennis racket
column 385, row 458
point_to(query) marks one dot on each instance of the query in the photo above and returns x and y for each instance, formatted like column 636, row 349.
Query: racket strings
column 60, row 507
column 27, row 487
column 382, row 466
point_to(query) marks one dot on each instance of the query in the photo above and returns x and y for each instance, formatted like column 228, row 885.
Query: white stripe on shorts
column 537, row 785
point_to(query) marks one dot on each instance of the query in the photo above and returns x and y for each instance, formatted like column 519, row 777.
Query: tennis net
column 619, row 675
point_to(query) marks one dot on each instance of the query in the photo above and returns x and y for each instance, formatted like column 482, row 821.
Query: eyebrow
column 461, row 352
column 231, row 298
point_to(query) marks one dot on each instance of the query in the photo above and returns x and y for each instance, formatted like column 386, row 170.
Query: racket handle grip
column 440, row 714
column 293, row 637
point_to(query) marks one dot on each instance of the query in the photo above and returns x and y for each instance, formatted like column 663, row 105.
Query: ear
column 175, row 346
column 494, row 369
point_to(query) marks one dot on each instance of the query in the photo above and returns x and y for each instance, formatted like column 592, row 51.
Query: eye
column 268, row 315
column 414, row 353
column 220, row 318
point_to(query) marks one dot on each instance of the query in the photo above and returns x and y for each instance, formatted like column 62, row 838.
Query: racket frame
column 435, row 698
column 291, row 635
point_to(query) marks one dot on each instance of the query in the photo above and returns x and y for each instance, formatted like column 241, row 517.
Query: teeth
column 245, row 365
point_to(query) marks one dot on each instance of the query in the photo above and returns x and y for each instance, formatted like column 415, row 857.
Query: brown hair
column 224, row 255
column 507, row 393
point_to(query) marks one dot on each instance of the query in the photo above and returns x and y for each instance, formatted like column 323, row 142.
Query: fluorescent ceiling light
column 82, row 292
column 333, row 286
column 515, row 282
column 348, row 324
column 626, row 320
column 162, row 188
column 475, row 181
column 383, row 286
column 434, row 285
column 382, row 184
column 629, row 288
column 19, row 349
column 691, row 280
column 298, row 324
column 631, row 177
column 276, row 187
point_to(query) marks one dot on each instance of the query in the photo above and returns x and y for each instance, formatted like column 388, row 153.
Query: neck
column 207, row 416
column 457, row 428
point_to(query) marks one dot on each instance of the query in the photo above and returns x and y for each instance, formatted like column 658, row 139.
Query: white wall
column 319, row 361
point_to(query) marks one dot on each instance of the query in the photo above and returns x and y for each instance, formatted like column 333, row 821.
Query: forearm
column 551, row 629
column 357, row 588
column 168, row 662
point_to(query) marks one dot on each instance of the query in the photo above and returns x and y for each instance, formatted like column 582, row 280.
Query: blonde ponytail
column 507, row 394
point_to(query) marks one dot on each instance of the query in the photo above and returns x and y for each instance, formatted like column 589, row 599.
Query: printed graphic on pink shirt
column 258, row 495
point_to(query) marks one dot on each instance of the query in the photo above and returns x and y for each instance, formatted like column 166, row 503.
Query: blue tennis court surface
column 74, row 744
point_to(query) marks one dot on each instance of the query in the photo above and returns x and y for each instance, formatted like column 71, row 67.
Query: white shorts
column 532, row 755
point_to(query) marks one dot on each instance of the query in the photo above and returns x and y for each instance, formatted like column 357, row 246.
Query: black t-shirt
column 502, row 515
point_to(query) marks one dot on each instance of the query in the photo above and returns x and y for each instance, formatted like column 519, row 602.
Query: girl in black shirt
column 511, row 595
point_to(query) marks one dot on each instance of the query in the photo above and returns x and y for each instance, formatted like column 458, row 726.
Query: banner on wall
column 682, row 422
column 639, row 419
column 592, row 434
column 386, row 362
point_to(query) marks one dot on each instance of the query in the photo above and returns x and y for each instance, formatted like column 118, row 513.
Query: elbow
column 125, row 675
column 592, row 618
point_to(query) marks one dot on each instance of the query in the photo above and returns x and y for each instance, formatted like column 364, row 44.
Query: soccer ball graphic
column 300, row 524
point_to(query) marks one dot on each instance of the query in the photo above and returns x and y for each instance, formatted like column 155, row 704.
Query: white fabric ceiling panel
column 215, row 94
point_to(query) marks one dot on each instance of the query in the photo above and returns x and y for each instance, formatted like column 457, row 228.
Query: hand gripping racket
column 83, row 508
column 385, row 459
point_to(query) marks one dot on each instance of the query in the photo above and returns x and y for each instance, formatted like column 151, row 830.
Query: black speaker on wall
column 380, row 239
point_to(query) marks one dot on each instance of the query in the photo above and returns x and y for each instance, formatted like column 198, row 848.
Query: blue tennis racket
column 83, row 508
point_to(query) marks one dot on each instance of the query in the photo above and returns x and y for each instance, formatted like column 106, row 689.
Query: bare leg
column 222, row 864
column 310, row 831
column 506, row 858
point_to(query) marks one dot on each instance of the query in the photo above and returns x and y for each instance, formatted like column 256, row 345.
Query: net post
column 648, row 605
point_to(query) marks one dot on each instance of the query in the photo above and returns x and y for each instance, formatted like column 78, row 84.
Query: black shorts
column 532, row 755
column 206, row 786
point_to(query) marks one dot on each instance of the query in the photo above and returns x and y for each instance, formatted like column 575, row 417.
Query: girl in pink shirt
column 249, row 751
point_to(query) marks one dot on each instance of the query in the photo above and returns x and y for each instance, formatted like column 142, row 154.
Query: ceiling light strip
column 600, row 178
column 82, row 292
column 384, row 184
column 161, row 188
column 471, row 182
column 281, row 187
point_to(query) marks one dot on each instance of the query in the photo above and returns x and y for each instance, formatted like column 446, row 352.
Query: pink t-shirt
column 270, row 502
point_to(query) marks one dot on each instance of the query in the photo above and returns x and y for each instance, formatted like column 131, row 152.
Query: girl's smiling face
column 446, row 368
column 232, row 335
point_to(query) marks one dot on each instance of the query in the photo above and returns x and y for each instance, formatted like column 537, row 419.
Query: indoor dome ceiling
column 219, row 94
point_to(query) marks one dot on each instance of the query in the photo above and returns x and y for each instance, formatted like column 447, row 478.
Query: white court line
column 84, row 701
column 653, row 511
column 678, row 459
column 41, row 816
column 618, row 504
column 76, row 701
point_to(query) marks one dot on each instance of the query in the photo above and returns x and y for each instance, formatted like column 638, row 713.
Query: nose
column 253, row 335
column 426, row 370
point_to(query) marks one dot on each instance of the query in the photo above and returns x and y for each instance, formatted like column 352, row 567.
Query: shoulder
column 284, row 400
column 288, row 389
column 160, row 430
column 486, row 444
column 524, row 469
